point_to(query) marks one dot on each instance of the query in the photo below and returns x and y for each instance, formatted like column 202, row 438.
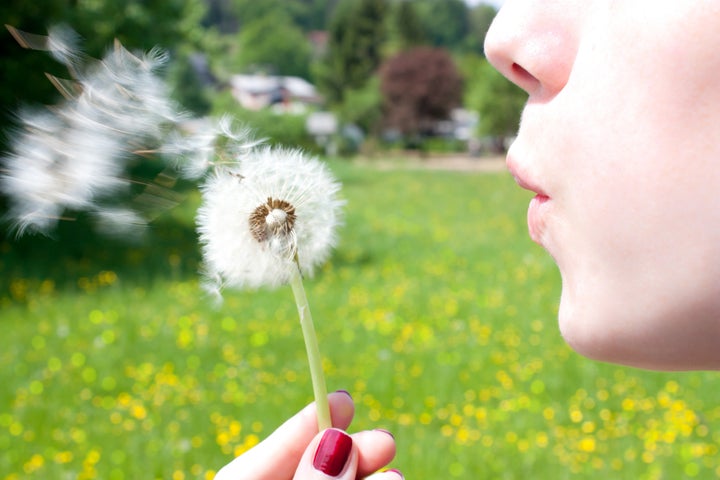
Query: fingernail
column 395, row 470
column 332, row 452
column 385, row 432
column 345, row 392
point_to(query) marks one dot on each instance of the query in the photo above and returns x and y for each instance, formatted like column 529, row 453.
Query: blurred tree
column 419, row 87
column 410, row 31
column 190, row 75
column 447, row 22
column 249, row 11
column 138, row 24
column 480, row 19
column 307, row 15
column 356, row 36
column 21, row 70
column 498, row 101
column 312, row 15
column 363, row 107
column 274, row 44
column 220, row 15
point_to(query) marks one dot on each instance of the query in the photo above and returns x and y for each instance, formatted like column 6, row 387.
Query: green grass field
column 436, row 312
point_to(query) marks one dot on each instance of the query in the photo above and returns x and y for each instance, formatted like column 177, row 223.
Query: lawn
column 436, row 313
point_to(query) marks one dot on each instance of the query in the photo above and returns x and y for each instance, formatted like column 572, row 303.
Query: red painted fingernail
column 332, row 452
column 345, row 392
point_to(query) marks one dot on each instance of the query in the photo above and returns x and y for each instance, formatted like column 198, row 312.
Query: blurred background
column 340, row 76
column 436, row 312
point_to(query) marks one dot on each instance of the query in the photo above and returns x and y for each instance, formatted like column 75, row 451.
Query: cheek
column 637, row 222
column 639, row 253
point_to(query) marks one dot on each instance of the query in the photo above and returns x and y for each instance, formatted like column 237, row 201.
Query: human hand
column 296, row 451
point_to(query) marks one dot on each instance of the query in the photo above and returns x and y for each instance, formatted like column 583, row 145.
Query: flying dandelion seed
column 75, row 155
column 199, row 145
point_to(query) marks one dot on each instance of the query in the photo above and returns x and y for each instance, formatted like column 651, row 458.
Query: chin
column 611, row 339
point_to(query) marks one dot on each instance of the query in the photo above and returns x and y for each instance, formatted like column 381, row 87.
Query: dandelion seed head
column 273, row 218
column 259, row 213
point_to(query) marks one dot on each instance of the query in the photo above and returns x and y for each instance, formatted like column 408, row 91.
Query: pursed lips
column 536, row 216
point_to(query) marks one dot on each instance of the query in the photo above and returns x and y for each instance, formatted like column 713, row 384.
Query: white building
column 284, row 94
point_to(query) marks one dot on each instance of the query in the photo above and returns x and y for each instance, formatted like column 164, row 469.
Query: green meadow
column 436, row 312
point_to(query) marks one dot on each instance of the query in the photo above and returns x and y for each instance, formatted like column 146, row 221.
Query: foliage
column 480, row 19
column 408, row 27
column 419, row 87
column 189, row 88
column 445, row 21
column 498, row 101
column 356, row 36
column 284, row 129
column 437, row 313
column 311, row 15
column 363, row 107
column 307, row 15
column 273, row 44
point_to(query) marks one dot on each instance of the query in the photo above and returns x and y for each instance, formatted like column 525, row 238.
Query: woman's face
column 621, row 140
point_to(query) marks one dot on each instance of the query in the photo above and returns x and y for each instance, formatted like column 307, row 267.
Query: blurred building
column 284, row 94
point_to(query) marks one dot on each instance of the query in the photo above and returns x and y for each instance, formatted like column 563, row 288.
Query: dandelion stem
column 313, row 351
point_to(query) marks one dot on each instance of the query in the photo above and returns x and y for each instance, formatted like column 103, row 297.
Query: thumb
column 276, row 458
column 331, row 455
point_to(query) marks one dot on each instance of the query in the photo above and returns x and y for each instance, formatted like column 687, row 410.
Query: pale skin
column 621, row 133
column 621, row 140
column 288, row 452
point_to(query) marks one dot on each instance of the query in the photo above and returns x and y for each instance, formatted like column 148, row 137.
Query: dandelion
column 268, row 216
column 261, row 213
column 265, row 221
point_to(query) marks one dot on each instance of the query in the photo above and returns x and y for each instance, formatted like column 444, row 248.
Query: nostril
column 523, row 78
column 520, row 71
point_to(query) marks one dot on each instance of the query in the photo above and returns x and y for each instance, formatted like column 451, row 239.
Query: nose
column 534, row 44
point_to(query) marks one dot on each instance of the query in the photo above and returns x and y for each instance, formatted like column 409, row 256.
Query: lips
column 536, row 217
column 537, row 210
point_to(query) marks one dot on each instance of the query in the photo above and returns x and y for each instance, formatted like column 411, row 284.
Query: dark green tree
column 408, row 27
column 356, row 37
column 480, row 19
column 307, row 15
column 311, row 14
column 250, row 11
column 274, row 44
column 138, row 24
column 189, row 74
column 21, row 71
column 220, row 16
column 447, row 22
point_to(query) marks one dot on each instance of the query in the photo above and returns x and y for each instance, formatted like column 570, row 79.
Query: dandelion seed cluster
column 74, row 156
column 260, row 214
